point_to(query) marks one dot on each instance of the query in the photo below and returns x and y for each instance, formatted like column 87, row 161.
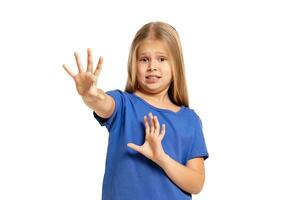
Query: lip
column 148, row 76
column 152, row 80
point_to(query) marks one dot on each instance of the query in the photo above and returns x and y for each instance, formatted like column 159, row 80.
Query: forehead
column 150, row 46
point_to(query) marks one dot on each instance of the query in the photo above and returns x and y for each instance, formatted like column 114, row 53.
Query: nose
column 152, row 66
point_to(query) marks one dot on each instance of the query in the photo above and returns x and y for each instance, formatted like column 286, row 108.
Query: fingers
column 89, row 60
column 147, row 128
column 99, row 67
column 78, row 62
column 154, row 127
column 89, row 64
column 163, row 132
column 69, row 71
column 134, row 147
column 154, row 123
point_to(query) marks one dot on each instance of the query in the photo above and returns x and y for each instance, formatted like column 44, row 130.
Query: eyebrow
column 157, row 52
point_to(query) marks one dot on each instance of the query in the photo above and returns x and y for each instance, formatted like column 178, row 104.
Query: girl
column 156, row 148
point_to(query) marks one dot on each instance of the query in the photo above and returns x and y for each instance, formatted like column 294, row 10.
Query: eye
column 162, row 59
column 144, row 59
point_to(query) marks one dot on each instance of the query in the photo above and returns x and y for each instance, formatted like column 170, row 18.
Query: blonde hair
column 177, row 91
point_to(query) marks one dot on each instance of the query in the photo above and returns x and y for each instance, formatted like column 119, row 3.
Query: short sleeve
column 198, row 147
column 117, row 95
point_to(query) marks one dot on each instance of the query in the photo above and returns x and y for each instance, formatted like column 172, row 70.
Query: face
column 154, row 71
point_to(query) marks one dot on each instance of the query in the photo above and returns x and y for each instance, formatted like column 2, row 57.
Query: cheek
column 140, row 73
column 167, row 73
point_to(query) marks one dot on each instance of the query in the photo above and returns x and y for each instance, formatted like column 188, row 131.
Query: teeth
column 152, row 77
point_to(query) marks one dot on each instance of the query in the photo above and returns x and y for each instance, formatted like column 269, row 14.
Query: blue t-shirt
column 129, row 175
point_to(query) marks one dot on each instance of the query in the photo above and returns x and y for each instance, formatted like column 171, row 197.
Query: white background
column 242, row 66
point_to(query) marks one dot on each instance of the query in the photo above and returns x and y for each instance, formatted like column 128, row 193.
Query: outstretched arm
column 86, row 85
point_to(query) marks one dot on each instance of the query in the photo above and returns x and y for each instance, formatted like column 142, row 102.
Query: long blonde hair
column 177, row 91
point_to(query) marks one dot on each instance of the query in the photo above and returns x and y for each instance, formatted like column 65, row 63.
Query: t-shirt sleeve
column 119, row 103
column 198, row 147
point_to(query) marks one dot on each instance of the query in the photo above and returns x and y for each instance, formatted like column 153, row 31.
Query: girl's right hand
column 86, row 81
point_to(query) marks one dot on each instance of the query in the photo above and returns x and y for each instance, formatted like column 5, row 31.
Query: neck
column 161, row 97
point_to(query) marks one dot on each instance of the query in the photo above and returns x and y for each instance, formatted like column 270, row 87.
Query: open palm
column 86, row 81
column 152, row 147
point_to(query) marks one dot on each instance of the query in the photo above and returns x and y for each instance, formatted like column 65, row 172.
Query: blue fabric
column 128, row 174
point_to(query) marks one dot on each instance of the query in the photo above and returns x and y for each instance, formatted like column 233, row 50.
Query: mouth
column 153, row 77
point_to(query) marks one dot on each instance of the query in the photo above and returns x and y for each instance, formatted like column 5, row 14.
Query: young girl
column 156, row 148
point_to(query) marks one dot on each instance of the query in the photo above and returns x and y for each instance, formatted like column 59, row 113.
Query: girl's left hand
column 152, row 147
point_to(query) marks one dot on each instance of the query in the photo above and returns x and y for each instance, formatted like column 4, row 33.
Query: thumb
column 134, row 147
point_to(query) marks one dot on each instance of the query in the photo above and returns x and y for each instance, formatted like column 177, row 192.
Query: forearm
column 186, row 178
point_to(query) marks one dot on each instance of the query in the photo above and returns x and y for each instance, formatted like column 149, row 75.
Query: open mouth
column 153, row 77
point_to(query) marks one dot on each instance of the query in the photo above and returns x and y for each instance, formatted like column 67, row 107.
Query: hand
column 86, row 81
column 152, row 147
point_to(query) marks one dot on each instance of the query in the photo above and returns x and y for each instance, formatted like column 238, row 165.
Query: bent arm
column 189, row 178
